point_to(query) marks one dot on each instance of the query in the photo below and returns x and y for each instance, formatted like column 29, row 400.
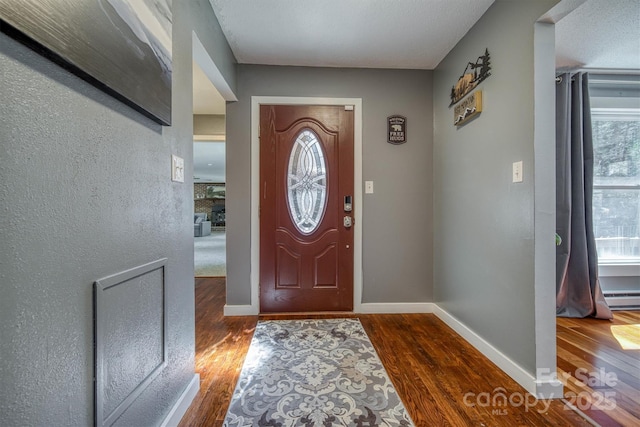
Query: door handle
column 347, row 221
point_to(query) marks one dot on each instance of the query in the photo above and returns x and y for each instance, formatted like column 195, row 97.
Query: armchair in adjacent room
column 201, row 227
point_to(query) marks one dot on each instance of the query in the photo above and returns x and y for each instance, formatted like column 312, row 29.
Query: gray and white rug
column 314, row 373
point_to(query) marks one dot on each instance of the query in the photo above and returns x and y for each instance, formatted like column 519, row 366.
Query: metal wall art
column 396, row 129
column 474, row 73
column 122, row 47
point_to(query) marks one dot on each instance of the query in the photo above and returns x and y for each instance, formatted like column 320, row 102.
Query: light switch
column 517, row 171
column 368, row 187
column 177, row 168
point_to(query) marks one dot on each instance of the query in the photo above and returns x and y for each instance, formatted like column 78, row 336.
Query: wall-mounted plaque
column 470, row 107
column 396, row 129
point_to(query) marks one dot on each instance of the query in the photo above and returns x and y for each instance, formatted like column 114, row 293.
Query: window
column 616, row 189
column 306, row 182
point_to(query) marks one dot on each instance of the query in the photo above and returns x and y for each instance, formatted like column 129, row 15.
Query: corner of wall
column 545, row 385
column 544, row 209
column 492, row 270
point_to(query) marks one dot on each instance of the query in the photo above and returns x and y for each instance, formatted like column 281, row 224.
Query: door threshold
column 310, row 314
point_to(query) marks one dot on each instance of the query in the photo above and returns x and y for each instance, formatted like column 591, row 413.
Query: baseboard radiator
column 623, row 300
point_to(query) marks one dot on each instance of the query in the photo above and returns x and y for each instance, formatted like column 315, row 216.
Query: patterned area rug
column 314, row 373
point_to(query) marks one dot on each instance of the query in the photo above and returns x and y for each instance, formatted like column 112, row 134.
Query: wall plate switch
column 517, row 171
column 177, row 168
column 368, row 187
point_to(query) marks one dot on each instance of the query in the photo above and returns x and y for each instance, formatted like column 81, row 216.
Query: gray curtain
column 578, row 292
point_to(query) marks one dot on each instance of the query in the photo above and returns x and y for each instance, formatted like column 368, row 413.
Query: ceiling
column 411, row 34
column 408, row 34
column 208, row 162
column 600, row 34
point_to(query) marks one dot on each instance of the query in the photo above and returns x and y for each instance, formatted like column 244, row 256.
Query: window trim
column 617, row 267
column 617, row 114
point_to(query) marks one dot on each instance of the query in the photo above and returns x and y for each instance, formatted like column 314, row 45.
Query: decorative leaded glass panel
column 306, row 182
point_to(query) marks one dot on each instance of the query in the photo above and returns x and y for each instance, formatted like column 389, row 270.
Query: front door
column 306, row 229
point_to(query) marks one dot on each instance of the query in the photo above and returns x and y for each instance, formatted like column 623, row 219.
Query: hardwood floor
column 602, row 374
column 442, row 380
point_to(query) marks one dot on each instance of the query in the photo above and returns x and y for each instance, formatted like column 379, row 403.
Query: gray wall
column 397, row 218
column 86, row 192
column 484, row 223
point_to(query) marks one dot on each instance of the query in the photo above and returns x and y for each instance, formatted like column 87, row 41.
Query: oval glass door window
column 306, row 182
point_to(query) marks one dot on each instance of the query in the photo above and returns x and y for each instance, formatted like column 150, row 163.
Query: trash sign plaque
column 396, row 129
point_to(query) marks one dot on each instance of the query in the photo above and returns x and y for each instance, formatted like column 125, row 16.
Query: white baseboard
column 369, row 308
column 182, row 404
column 549, row 388
column 240, row 310
column 543, row 387
column 395, row 308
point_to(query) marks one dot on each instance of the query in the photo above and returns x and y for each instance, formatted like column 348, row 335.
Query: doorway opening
column 209, row 176
column 596, row 357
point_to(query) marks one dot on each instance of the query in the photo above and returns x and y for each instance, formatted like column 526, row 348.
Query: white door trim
column 255, row 188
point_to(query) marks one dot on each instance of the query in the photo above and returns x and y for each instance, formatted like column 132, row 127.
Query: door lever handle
column 347, row 221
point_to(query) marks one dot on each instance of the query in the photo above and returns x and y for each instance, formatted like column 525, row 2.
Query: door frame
column 256, row 101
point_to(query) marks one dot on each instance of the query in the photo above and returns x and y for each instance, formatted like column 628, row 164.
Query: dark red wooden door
column 306, row 171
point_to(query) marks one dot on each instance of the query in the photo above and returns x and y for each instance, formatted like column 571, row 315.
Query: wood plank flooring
column 442, row 380
column 602, row 378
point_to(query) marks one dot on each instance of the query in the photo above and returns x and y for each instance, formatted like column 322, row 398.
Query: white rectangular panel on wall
column 130, row 337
